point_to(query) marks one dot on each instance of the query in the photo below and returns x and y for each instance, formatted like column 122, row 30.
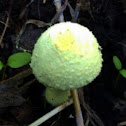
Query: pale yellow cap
column 66, row 56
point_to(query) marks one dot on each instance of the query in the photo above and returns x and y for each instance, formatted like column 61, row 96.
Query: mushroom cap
column 66, row 56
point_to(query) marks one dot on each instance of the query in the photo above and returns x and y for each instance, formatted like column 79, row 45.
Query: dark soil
column 22, row 103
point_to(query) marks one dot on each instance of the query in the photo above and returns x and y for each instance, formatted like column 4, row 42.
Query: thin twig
column 71, row 10
column 44, row 1
column 6, row 24
column 79, row 117
column 38, row 23
column 3, row 23
column 89, row 111
column 57, row 4
column 122, row 124
column 77, row 9
column 16, row 77
column 3, row 33
column 57, row 15
column 26, row 85
column 25, row 9
column 51, row 113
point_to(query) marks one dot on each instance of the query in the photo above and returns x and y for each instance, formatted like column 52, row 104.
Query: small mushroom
column 66, row 56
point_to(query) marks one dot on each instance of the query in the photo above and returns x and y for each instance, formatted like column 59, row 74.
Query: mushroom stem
column 78, row 112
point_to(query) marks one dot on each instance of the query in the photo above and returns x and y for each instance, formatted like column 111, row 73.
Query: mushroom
column 66, row 56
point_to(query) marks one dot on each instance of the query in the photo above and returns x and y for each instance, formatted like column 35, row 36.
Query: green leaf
column 117, row 63
column 19, row 59
column 123, row 72
column 1, row 65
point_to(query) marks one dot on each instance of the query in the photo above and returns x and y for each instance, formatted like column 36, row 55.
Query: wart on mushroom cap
column 66, row 56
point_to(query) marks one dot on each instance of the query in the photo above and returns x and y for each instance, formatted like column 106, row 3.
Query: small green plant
column 1, row 65
column 118, row 66
column 15, row 61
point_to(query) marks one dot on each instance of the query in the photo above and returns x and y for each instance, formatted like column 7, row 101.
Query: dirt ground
column 22, row 98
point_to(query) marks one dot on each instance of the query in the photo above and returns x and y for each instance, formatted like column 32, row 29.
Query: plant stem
column 4, row 71
column 79, row 117
column 116, row 81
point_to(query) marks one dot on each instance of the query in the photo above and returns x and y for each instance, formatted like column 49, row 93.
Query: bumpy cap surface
column 66, row 56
